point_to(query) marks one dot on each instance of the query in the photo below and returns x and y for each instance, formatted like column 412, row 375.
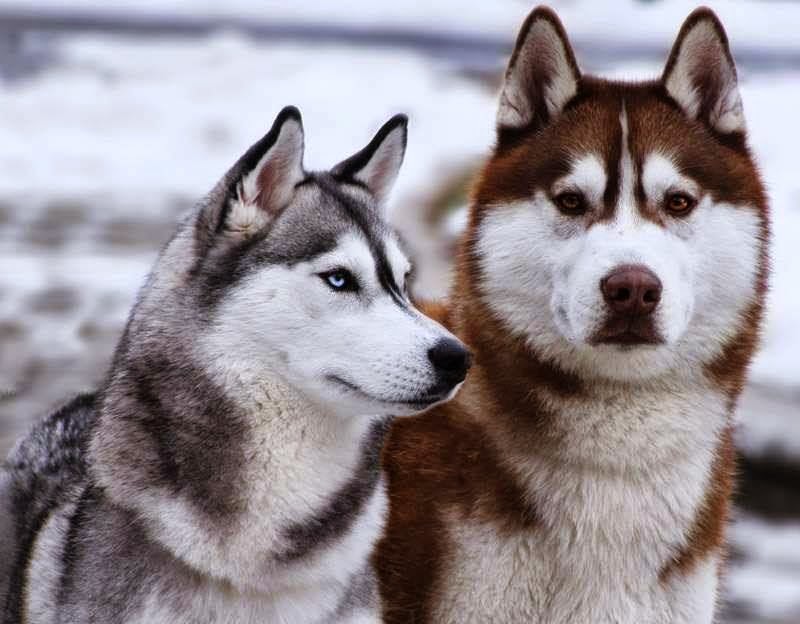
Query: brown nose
column 632, row 290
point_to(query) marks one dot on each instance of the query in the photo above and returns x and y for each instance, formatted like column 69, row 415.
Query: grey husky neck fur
column 229, row 468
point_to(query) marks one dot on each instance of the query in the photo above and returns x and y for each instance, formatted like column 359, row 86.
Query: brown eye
column 679, row 204
column 571, row 204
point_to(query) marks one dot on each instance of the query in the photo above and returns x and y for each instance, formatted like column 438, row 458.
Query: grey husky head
column 296, row 273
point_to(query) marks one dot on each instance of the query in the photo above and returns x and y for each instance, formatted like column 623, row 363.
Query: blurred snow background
column 106, row 137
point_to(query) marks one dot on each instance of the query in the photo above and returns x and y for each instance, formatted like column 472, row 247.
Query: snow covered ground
column 101, row 152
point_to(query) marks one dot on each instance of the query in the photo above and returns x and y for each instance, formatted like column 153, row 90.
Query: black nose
column 632, row 290
column 451, row 360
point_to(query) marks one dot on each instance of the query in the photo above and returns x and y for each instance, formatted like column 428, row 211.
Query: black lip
column 629, row 339
column 628, row 331
column 418, row 403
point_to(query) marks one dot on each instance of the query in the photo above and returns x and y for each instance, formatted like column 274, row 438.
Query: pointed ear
column 700, row 74
column 376, row 166
column 261, row 183
column 542, row 75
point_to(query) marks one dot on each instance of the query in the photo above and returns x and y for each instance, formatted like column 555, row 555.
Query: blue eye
column 340, row 280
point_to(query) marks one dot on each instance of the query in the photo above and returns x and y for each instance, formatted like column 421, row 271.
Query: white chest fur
column 298, row 460
column 612, row 509
column 314, row 594
column 524, row 577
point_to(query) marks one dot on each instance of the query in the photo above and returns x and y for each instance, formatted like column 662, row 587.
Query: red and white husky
column 611, row 284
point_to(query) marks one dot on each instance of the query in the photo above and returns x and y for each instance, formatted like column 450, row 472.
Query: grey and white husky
column 228, row 469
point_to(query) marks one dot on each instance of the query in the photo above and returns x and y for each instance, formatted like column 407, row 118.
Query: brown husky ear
column 700, row 74
column 542, row 75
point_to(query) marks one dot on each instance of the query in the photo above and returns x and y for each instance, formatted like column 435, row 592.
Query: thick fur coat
column 228, row 469
column 611, row 284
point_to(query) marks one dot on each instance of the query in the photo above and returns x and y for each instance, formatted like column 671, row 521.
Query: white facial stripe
column 626, row 203
column 397, row 261
column 588, row 175
column 660, row 175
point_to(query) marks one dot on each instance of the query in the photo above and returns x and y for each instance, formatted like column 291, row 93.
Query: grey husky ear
column 542, row 74
column 376, row 166
column 701, row 76
column 262, row 183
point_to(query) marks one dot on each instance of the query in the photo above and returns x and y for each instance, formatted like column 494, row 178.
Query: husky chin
column 228, row 470
column 610, row 283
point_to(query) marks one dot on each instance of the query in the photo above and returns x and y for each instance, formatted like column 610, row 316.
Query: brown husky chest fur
column 611, row 284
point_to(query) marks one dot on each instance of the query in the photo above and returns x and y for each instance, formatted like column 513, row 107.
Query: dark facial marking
column 295, row 236
column 387, row 281
column 372, row 228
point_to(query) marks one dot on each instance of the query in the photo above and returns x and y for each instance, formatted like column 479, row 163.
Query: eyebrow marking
column 358, row 215
column 587, row 175
column 660, row 174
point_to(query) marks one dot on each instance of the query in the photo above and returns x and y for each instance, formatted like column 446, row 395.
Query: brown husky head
column 619, row 229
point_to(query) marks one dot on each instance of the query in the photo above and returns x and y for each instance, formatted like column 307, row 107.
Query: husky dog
column 228, row 470
column 610, row 284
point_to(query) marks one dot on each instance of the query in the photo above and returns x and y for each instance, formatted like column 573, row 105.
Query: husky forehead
column 322, row 213
column 590, row 132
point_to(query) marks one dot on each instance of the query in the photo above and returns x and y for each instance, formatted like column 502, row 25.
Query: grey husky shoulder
column 228, row 468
